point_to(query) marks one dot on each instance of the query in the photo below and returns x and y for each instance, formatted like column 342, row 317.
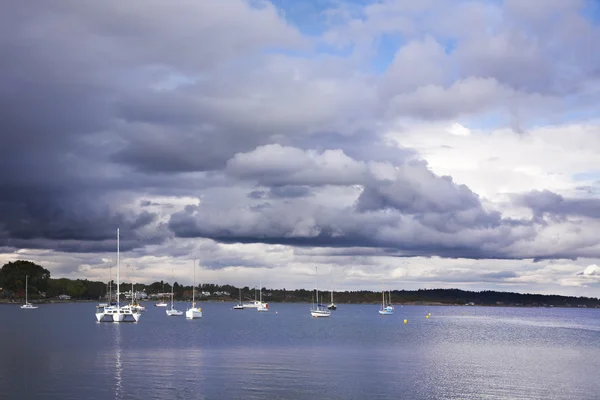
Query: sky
column 430, row 144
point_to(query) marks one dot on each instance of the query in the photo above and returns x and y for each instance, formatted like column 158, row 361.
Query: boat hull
column 320, row 313
column 117, row 315
column 332, row 307
column 386, row 312
column 264, row 307
column 174, row 313
column 193, row 313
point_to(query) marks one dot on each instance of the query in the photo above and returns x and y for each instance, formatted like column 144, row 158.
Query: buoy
column 405, row 321
column 427, row 317
column 276, row 312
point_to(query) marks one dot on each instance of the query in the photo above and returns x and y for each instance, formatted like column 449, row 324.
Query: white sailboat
column 173, row 312
column 117, row 313
column 161, row 301
column 240, row 305
column 194, row 312
column 386, row 309
column 27, row 305
column 319, row 311
column 262, row 307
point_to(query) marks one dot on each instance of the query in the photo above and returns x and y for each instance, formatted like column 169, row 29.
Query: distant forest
column 42, row 287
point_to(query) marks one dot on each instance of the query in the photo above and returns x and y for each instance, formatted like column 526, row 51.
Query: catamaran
column 173, row 312
column 27, row 305
column 117, row 313
column 319, row 311
column 240, row 305
column 253, row 303
column 194, row 312
column 262, row 306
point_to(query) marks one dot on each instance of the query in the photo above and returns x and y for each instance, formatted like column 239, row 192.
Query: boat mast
column 26, row 289
column 132, row 295
column 194, row 287
column 260, row 290
column 332, row 290
column 317, row 286
column 171, row 290
column 118, row 268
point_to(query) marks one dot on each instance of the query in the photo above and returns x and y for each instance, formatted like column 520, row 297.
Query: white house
column 64, row 297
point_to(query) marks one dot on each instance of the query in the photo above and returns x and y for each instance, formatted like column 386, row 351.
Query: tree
column 12, row 276
column 76, row 288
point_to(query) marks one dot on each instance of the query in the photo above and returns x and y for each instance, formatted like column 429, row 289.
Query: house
column 64, row 297
column 205, row 294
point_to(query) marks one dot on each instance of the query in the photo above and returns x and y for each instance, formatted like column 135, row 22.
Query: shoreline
column 148, row 304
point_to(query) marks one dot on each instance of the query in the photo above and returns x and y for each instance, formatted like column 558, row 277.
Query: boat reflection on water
column 118, row 365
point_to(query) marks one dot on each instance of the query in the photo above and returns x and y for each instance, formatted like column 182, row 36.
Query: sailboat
column 194, row 312
column 319, row 311
column 173, row 312
column 117, row 313
column 262, row 306
column 27, row 305
column 161, row 302
column 389, row 305
column 332, row 306
column 240, row 305
column 385, row 309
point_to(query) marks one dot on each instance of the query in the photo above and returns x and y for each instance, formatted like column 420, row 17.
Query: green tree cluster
column 12, row 277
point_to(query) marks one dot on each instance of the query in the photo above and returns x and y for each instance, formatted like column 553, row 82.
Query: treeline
column 12, row 284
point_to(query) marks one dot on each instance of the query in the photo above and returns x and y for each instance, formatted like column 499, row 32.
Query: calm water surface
column 60, row 352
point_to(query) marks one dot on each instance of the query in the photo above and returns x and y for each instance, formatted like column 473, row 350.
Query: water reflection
column 118, row 366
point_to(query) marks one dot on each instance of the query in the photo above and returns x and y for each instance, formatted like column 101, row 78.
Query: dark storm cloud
column 412, row 210
column 549, row 203
column 431, row 194
column 76, row 84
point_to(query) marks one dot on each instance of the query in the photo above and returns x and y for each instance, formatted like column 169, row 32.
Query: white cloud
column 496, row 162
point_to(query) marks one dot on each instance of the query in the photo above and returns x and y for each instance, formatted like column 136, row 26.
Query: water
column 59, row 352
